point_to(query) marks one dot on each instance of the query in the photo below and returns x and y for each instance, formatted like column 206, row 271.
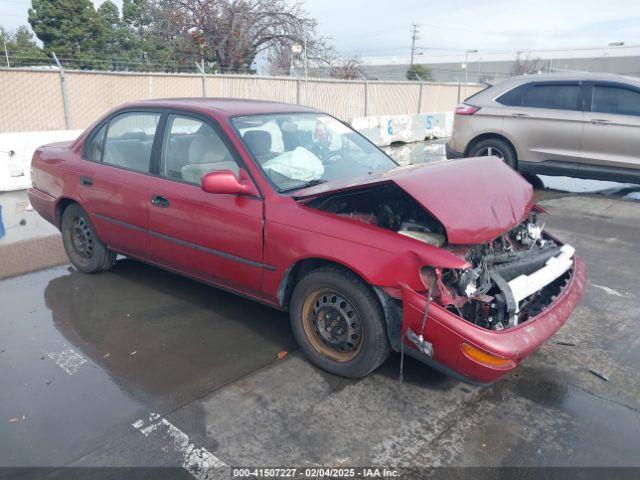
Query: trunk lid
column 475, row 199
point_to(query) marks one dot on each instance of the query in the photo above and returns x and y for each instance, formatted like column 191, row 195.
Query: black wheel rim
column 81, row 238
column 333, row 325
column 490, row 152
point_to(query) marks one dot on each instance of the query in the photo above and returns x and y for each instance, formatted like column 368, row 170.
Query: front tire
column 339, row 323
column 497, row 148
column 84, row 249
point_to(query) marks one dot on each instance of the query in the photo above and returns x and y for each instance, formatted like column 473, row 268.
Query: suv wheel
column 85, row 250
column 496, row 148
column 339, row 323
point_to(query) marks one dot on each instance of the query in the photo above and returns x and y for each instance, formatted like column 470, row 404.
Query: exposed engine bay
column 387, row 206
column 512, row 279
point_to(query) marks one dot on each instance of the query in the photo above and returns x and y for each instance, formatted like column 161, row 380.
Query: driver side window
column 192, row 148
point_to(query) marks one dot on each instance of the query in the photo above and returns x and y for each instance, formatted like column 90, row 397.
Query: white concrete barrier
column 386, row 129
column 16, row 150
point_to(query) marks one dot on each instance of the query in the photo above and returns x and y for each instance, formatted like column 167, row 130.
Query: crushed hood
column 475, row 199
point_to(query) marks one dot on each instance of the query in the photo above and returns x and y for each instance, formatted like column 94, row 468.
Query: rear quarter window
column 95, row 147
column 513, row 98
column 555, row 96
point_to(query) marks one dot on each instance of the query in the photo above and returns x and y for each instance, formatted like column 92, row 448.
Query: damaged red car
column 288, row 206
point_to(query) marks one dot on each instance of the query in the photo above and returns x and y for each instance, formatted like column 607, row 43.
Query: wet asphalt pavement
column 86, row 361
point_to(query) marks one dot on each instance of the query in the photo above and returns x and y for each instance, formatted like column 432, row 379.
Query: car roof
column 227, row 107
column 488, row 95
column 570, row 76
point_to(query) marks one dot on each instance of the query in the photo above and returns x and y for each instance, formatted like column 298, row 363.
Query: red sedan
column 291, row 207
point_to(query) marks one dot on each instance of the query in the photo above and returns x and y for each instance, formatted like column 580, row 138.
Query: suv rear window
column 556, row 96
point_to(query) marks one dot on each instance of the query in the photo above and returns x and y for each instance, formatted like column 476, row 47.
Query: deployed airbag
column 297, row 164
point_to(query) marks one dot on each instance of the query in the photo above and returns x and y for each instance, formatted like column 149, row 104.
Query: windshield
column 296, row 150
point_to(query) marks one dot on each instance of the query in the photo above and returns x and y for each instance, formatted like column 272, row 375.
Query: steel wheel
column 332, row 325
column 81, row 238
column 81, row 242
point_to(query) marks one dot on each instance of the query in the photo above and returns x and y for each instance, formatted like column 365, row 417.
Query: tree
column 150, row 43
column 112, row 38
column 280, row 60
column 420, row 73
column 231, row 33
column 347, row 69
column 70, row 28
column 21, row 48
column 526, row 65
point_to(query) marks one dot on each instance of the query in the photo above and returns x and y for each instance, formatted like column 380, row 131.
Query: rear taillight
column 464, row 109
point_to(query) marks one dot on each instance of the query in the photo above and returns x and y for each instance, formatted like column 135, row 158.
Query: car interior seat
column 259, row 143
column 207, row 153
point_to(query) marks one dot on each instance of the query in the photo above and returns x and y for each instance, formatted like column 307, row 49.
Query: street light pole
column 466, row 69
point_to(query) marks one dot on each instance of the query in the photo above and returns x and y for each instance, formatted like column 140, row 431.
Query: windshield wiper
column 310, row 183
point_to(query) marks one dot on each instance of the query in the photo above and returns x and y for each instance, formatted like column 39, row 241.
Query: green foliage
column 21, row 48
column 70, row 28
column 165, row 35
column 419, row 73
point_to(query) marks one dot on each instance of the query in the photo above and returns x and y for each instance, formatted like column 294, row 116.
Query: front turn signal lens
column 485, row 358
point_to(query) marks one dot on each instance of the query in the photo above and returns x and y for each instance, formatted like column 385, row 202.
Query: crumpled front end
column 480, row 322
column 474, row 354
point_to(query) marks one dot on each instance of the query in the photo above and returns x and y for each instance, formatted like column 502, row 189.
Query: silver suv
column 579, row 125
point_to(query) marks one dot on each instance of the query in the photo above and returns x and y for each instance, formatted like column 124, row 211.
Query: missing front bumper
column 447, row 332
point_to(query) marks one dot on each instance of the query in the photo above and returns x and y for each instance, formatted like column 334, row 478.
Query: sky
column 383, row 27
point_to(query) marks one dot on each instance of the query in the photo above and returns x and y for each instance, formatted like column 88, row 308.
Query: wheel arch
column 489, row 135
column 302, row 267
column 61, row 206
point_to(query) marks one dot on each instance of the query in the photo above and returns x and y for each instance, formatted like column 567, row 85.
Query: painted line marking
column 198, row 461
column 611, row 291
column 68, row 359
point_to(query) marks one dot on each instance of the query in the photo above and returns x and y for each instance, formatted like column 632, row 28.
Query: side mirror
column 226, row 182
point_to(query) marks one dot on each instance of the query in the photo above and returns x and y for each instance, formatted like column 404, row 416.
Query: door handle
column 600, row 121
column 519, row 115
column 86, row 182
column 160, row 201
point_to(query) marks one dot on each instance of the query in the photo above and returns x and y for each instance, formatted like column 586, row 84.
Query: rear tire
column 496, row 147
column 84, row 249
column 339, row 323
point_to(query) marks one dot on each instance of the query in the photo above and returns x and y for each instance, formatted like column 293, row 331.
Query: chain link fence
column 54, row 99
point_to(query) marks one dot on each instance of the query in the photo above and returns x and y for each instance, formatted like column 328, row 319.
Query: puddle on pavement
column 434, row 150
column 83, row 355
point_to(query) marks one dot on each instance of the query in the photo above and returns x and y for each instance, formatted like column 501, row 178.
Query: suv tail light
column 464, row 109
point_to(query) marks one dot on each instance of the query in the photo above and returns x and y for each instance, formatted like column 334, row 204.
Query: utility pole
column 6, row 54
column 415, row 35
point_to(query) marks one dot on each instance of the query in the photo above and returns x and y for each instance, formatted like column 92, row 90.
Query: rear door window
column 564, row 96
column 617, row 100
column 129, row 140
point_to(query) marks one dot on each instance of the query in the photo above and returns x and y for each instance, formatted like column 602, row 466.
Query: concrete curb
column 30, row 255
